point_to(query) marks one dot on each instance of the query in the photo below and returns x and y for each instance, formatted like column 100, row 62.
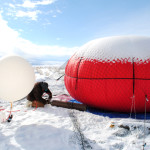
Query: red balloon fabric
column 111, row 73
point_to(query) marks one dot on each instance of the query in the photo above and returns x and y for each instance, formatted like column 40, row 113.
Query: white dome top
column 116, row 47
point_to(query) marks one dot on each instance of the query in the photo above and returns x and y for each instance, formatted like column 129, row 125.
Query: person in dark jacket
column 36, row 95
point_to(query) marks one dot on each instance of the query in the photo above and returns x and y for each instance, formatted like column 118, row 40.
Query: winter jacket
column 37, row 93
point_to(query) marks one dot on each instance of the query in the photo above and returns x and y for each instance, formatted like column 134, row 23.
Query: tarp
column 114, row 114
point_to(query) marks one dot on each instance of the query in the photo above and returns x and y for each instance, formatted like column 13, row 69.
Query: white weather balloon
column 17, row 78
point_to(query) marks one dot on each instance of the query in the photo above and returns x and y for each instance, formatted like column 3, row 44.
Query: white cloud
column 45, row 24
column 1, row 10
column 33, row 15
column 42, row 50
column 29, row 4
column 29, row 9
column 8, row 37
column 12, row 43
column 54, row 16
column 58, row 39
column 45, row 2
column 59, row 11
column 11, row 5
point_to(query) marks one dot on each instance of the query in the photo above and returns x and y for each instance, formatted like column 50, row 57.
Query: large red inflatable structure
column 111, row 73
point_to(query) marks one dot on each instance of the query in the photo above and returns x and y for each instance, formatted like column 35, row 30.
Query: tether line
column 133, row 76
column 78, row 72
column 108, row 78
column 78, row 133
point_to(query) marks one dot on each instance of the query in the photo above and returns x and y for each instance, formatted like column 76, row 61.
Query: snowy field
column 55, row 128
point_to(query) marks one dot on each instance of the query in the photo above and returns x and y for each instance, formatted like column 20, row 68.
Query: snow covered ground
column 55, row 128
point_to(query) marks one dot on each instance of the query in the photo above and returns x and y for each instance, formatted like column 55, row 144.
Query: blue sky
column 54, row 29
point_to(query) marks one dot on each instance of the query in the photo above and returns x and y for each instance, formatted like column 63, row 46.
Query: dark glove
column 48, row 101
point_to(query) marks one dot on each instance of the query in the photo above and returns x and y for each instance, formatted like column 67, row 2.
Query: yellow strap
column 11, row 104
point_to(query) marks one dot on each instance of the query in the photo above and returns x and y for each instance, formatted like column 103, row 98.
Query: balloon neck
column 11, row 105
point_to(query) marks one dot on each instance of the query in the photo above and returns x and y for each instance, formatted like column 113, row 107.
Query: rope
column 146, row 100
column 133, row 106
column 133, row 75
column 2, row 109
column 79, row 135
column 36, row 105
column 78, row 73
column 107, row 78
column 13, row 111
column 60, row 77
column 61, row 67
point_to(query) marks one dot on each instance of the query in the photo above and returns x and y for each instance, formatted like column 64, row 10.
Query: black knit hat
column 44, row 86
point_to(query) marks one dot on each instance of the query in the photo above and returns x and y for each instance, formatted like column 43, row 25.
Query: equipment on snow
column 10, row 118
column 69, row 105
